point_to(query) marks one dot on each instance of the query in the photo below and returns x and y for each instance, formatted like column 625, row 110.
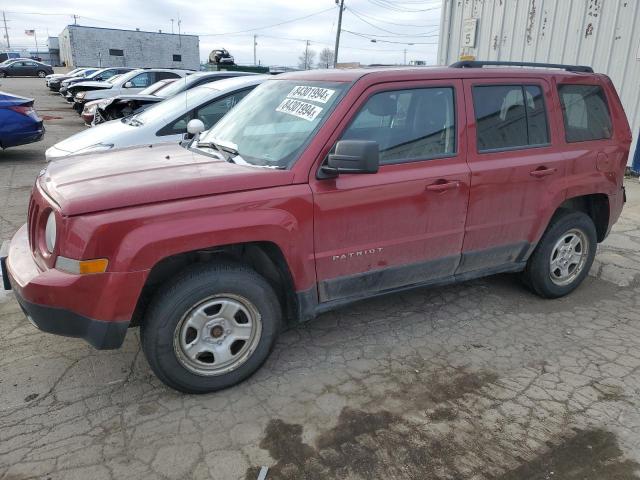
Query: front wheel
column 562, row 259
column 211, row 327
column 42, row 73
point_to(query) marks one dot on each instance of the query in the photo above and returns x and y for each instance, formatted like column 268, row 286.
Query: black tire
column 173, row 302
column 41, row 73
column 538, row 273
column 3, row 75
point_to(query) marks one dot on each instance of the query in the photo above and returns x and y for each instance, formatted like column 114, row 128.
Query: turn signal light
column 82, row 267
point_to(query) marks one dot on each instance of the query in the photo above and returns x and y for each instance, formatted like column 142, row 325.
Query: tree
column 305, row 61
column 325, row 59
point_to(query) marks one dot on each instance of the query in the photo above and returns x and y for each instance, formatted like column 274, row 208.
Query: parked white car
column 163, row 122
column 127, row 83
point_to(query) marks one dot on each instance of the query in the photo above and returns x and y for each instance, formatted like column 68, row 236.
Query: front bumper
column 96, row 308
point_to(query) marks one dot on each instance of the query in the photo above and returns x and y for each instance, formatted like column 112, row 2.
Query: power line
column 398, row 8
column 387, row 41
column 380, row 28
column 392, row 23
column 266, row 26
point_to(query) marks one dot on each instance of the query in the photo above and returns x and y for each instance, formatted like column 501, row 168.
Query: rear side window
column 509, row 116
column 409, row 125
column 585, row 113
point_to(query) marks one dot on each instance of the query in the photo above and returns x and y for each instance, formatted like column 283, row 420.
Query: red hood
column 136, row 176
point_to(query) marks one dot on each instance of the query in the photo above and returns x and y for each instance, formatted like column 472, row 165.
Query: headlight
column 90, row 109
column 81, row 95
column 50, row 232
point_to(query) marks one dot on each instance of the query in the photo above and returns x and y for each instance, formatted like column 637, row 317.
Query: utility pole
column 179, row 37
column 75, row 19
column 254, row 49
column 335, row 50
column 405, row 56
column 6, row 31
column 306, row 56
column 172, row 26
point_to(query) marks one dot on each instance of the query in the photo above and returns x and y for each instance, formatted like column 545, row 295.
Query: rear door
column 516, row 169
column 403, row 225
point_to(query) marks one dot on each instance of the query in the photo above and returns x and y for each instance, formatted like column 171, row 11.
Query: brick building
column 82, row 46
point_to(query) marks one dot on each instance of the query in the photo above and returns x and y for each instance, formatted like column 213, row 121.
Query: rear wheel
column 564, row 255
column 3, row 74
column 42, row 73
column 211, row 327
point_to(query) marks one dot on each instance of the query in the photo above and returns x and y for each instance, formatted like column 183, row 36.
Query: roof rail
column 480, row 64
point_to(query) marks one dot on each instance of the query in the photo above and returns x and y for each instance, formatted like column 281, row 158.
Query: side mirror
column 128, row 85
column 194, row 128
column 352, row 156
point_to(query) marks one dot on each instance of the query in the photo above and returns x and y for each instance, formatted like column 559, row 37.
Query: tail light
column 22, row 110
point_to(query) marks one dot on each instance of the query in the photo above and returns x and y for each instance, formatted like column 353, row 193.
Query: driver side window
column 209, row 113
column 141, row 81
column 409, row 125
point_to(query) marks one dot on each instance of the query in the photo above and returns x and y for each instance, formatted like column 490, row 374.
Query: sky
column 396, row 25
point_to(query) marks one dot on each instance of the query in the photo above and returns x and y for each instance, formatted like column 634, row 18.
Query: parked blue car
column 19, row 122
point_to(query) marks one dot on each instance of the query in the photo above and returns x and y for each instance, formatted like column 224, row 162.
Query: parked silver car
column 127, row 83
column 163, row 122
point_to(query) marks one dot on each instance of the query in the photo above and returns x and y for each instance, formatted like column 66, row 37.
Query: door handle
column 542, row 172
column 442, row 186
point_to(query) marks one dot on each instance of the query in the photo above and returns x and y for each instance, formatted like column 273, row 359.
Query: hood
column 144, row 175
column 107, row 133
column 140, row 98
column 92, row 84
column 59, row 79
column 128, row 98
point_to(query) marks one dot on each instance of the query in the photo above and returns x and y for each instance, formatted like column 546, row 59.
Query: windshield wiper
column 226, row 151
column 134, row 122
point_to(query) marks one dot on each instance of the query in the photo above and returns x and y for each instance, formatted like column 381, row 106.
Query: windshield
column 174, row 106
column 176, row 87
column 114, row 79
column 155, row 87
column 272, row 125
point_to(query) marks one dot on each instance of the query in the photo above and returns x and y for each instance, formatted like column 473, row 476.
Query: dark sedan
column 26, row 68
column 19, row 122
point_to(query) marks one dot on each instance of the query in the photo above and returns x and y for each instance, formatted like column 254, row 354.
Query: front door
column 18, row 69
column 403, row 225
column 516, row 173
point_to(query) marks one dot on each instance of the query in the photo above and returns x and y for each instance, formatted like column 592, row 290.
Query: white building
column 603, row 34
column 107, row 47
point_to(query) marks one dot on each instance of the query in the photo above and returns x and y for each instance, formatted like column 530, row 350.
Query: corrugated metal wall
column 599, row 33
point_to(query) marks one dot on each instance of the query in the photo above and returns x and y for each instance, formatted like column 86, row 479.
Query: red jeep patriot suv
column 318, row 189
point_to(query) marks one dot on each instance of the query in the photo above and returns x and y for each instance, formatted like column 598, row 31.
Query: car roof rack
column 480, row 64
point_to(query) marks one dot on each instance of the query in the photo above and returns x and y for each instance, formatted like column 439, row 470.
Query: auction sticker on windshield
column 299, row 109
column 315, row 94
